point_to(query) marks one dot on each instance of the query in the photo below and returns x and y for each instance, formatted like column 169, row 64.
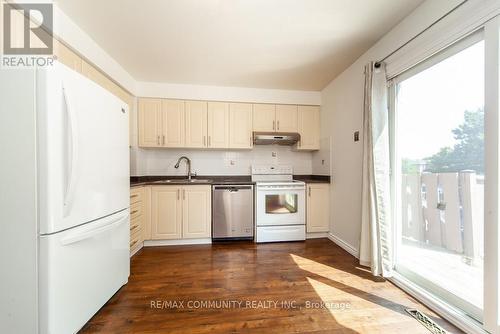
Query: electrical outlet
column 323, row 161
column 274, row 154
column 232, row 162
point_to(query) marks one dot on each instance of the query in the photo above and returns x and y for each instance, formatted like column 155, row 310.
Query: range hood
column 270, row 138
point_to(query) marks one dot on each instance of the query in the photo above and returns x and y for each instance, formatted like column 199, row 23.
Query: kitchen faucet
column 188, row 163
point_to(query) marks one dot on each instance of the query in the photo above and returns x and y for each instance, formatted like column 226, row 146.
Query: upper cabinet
column 264, row 117
column 173, row 121
column 202, row 124
column 218, row 125
column 308, row 127
column 196, row 124
column 240, row 125
column 275, row 118
column 150, row 123
column 286, row 118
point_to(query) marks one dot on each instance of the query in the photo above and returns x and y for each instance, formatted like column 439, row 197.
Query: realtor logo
column 27, row 35
column 27, row 29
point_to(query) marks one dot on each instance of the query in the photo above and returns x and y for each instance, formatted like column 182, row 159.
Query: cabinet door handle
column 278, row 125
column 183, row 193
column 158, row 139
column 309, row 191
column 274, row 125
column 209, row 141
column 178, row 194
column 204, row 140
column 163, row 139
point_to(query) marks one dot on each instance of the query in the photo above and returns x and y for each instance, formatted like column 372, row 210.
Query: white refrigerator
column 82, row 197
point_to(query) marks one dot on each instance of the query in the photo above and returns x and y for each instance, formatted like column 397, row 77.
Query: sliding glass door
column 438, row 141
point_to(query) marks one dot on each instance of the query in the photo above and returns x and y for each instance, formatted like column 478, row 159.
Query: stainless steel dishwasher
column 232, row 212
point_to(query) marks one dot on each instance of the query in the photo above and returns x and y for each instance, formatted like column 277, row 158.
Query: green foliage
column 468, row 152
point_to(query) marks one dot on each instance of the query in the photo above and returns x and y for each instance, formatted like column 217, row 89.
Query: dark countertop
column 218, row 179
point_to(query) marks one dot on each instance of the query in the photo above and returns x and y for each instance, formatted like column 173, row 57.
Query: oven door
column 283, row 205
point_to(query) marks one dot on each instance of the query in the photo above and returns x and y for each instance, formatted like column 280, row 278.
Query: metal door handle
column 163, row 139
column 204, row 140
column 209, row 141
column 178, row 194
column 309, row 191
column 183, row 193
column 274, row 124
column 158, row 139
column 278, row 125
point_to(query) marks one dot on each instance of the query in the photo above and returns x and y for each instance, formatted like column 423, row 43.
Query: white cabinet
column 196, row 124
column 240, row 125
column 318, row 207
column 181, row 212
column 286, row 118
column 264, row 117
column 309, row 128
column 218, row 125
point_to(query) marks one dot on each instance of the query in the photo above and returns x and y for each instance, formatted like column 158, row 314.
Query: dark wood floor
column 298, row 277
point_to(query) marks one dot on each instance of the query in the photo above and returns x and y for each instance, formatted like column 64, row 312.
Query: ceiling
column 283, row 44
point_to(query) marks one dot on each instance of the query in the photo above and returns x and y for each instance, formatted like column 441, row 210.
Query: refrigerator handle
column 74, row 238
column 72, row 163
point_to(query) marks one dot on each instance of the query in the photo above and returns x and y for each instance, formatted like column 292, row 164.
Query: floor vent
column 426, row 321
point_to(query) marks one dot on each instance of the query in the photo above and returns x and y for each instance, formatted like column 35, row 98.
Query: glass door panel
column 439, row 159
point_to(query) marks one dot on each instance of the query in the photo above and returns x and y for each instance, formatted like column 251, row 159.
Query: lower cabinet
column 318, row 204
column 181, row 212
column 137, row 218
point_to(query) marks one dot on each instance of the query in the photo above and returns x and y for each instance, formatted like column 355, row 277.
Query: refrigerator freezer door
column 80, row 269
column 83, row 160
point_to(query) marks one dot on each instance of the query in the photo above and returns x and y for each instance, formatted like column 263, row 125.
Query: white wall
column 204, row 162
column 342, row 106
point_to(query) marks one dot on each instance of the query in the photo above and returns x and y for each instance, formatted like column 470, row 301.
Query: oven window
column 281, row 204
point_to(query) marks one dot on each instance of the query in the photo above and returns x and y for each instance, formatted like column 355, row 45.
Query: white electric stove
column 280, row 206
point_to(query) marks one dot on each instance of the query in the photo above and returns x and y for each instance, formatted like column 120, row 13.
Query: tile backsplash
column 216, row 162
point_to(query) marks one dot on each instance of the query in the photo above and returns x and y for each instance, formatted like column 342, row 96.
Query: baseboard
column 136, row 250
column 316, row 235
column 344, row 245
column 152, row 243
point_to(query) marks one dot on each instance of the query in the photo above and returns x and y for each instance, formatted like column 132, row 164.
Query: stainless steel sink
column 182, row 181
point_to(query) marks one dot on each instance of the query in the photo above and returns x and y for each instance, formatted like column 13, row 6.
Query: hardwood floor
column 298, row 287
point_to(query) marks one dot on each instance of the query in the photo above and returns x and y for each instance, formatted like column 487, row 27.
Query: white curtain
column 376, row 244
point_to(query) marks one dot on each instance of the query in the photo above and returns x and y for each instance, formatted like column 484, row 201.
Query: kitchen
column 171, row 175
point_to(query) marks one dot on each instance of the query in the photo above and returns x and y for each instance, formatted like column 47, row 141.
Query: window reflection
column 281, row 204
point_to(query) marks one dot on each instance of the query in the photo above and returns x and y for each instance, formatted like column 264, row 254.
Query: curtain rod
column 377, row 63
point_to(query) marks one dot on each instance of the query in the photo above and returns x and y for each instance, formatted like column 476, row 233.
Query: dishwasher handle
column 232, row 188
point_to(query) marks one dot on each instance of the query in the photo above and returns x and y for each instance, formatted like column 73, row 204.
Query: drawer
column 135, row 241
column 135, row 210
column 136, row 195
column 135, row 225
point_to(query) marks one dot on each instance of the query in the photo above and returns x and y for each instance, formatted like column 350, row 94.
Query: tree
column 468, row 152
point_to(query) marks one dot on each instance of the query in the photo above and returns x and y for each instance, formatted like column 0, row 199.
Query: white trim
column 344, row 245
column 316, row 235
column 457, row 318
column 469, row 17
column 153, row 243
column 492, row 165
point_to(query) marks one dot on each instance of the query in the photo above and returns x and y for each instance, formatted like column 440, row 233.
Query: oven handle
column 280, row 189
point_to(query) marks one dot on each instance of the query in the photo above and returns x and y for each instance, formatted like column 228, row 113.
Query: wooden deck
column 300, row 287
